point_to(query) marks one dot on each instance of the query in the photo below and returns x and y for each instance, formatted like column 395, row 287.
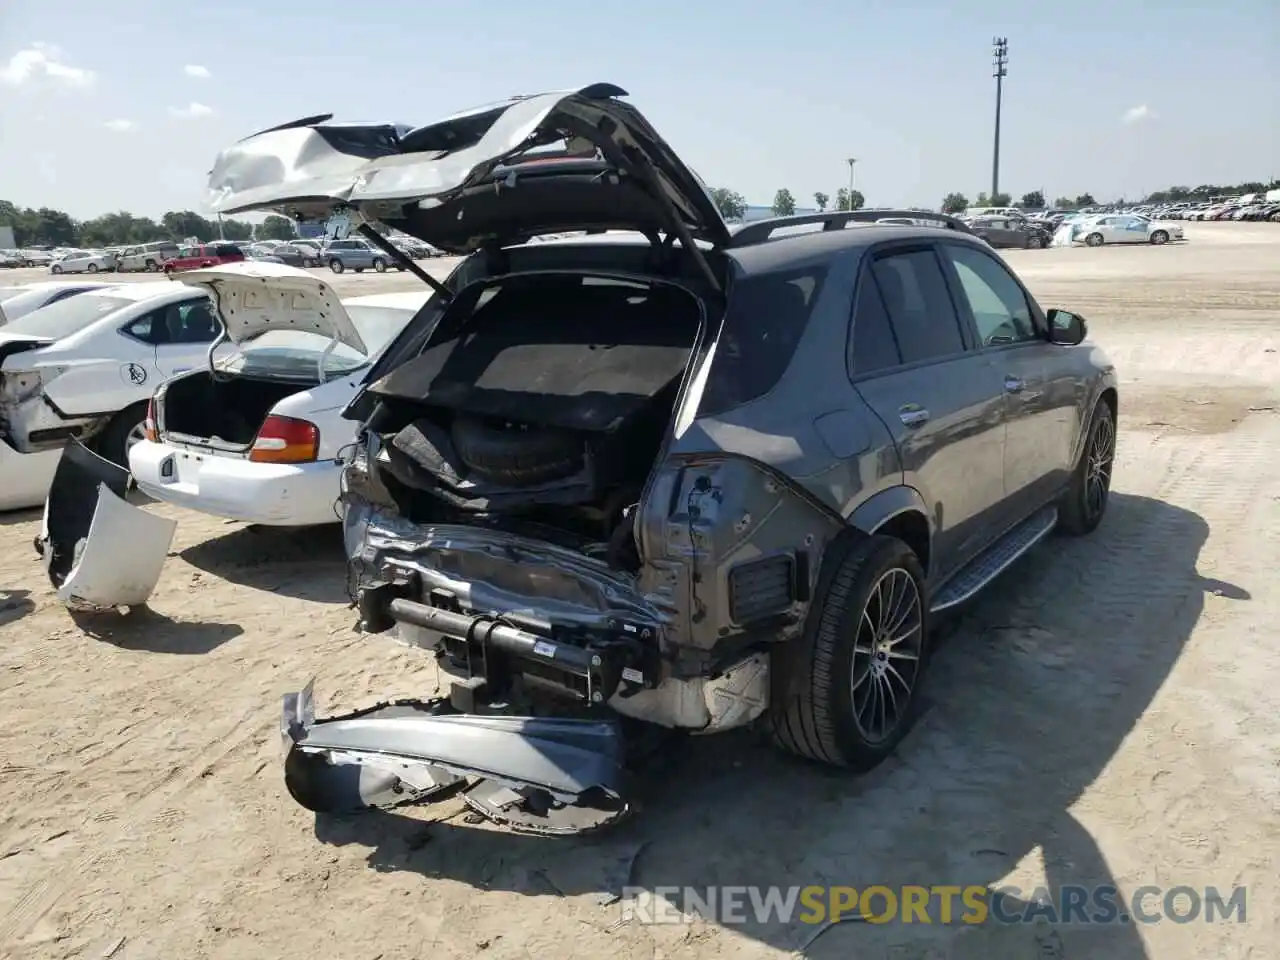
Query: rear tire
column 1159, row 237
column 380, row 266
column 336, row 265
column 844, row 693
column 55, row 269
column 92, row 268
column 1085, row 502
column 121, row 433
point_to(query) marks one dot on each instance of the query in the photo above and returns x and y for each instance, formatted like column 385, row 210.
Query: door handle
column 1012, row 385
column 913, row 416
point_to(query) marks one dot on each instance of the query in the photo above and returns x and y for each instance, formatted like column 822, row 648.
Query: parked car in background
column 10, row 260
column 83, row 261
column 84, row 367
column 146, row 256
column 196, row 256
column 35, row 257
column 17, row 302
column 297, row 254
column 357, row 255
column 263, row 441
column 1126, row 228
column 1011, row 233
column 311, row 247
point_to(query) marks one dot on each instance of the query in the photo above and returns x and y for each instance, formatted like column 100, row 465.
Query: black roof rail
column 761, row 230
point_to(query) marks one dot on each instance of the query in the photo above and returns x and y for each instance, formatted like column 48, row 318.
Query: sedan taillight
column 149, row 429
column 285, row 440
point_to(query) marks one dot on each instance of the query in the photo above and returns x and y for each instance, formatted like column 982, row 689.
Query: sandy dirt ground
column 1107, row 713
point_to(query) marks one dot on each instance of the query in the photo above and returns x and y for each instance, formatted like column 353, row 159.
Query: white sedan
column 25, row 298
column 84, row 368
column 1125, row 228
column 84, row 261
column 260, row 438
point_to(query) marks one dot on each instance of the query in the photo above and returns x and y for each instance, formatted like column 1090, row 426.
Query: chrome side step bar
column 992, row 562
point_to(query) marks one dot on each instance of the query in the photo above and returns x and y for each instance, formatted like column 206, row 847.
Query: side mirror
column 1066, row 328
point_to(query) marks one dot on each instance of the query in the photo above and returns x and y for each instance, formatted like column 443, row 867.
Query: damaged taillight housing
column 285, row 440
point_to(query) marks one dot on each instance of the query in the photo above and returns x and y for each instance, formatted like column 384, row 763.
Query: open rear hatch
column 536, row 774
column 468, row 182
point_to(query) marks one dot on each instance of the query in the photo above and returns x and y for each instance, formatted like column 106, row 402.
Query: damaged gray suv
column 662, row 474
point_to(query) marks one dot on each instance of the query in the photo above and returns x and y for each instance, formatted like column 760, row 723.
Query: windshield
column 67, row 316
column 291, row 353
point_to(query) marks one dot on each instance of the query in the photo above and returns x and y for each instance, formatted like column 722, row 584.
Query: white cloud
column 42, row 60
column 191, row 110
column 121, row 126
column 1137, row 114
column 195, row 70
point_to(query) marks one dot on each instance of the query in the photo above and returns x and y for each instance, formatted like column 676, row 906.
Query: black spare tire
column 515, row 454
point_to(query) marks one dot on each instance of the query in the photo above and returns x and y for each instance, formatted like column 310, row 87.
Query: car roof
column 779, row 252
column 145, row 290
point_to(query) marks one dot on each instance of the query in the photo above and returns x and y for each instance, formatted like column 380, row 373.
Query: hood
column 458, row 184
column 254, row 296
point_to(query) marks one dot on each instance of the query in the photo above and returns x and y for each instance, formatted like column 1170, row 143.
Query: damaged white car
column 85, row 367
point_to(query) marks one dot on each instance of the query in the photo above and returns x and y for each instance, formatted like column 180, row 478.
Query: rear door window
column 763, row 324
column 873, row 346
column 915, row 295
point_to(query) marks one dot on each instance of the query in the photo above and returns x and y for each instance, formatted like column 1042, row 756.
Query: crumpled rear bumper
column 99, row 551
column 533, row 774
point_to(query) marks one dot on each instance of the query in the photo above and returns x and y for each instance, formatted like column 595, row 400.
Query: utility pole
column 1000, row 64
column 851, row 161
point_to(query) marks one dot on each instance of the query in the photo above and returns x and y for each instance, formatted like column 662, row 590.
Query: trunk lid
column 424, row 180
column 253, row 297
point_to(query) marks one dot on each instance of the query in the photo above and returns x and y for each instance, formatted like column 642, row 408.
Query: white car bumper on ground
column 274, row 494
column 25, row 477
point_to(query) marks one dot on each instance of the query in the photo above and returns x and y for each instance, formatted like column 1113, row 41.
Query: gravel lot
column 1108, row 713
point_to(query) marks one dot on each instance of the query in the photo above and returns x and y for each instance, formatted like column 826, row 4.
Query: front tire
column 1085, row 501
column 1094, row 239
column 380, row 266
column 92, row 268
column 56, row 268
column 1160, row 237
column 336, row 265
column 850, row 690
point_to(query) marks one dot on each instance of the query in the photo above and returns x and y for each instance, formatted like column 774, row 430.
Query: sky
column 1113, row 97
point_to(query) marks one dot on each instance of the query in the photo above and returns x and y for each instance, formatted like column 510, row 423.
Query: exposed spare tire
column 515, row 454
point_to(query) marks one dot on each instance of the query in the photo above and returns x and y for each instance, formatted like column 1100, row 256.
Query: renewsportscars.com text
column 940, row 904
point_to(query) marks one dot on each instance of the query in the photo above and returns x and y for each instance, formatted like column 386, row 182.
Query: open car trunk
column 225, row 413
column 540, row 403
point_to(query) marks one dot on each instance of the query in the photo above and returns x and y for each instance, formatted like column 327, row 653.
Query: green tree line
column 45, row 226
column 733, row 205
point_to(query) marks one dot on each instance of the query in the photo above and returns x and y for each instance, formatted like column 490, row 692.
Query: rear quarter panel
column 323, row 406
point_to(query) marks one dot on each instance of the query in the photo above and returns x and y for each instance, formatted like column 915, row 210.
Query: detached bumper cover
column 99, row 551
column 541, row 775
